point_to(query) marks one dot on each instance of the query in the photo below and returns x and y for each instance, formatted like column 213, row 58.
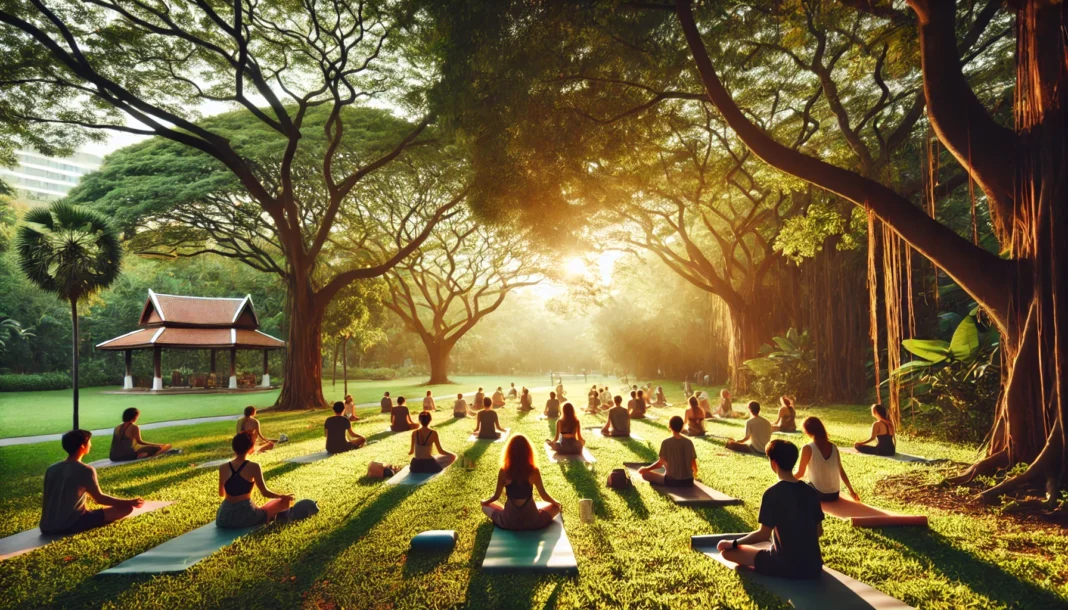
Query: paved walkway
column 416, row 402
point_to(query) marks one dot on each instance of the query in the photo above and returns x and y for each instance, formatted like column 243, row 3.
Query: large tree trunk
column 747, row 334
column 302, row 386
column 438, row 353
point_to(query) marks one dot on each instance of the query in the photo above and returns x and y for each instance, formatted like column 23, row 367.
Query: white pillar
column 127, row 382
column 157, row 383
column 233, row 382
column 266, row 383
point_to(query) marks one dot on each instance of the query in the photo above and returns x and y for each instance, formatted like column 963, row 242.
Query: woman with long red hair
column 518, row 477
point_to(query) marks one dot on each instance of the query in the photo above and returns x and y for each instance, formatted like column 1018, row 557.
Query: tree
column 460, row 275
column 276, row 62
column 348, row 317
column 73, row 253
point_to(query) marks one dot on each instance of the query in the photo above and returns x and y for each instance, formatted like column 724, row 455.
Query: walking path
column 47, row 438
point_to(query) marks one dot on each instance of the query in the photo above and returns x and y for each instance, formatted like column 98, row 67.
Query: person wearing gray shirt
column 757, row 433
column 618, row 423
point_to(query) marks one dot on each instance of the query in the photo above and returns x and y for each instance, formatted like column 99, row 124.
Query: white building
column 39, row 180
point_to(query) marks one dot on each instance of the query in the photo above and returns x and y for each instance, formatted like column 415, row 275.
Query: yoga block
column 434, row 541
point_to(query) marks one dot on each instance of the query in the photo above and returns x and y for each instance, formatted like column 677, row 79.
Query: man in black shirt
column 791, row 516
column 339, row 435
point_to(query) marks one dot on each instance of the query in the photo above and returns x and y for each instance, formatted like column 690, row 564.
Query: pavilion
column 183, row 322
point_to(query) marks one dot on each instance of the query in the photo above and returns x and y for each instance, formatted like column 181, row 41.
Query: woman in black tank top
column 882, row 432
column 236, row 480
column 519, row 476
column 126, row 441
column 424, row 441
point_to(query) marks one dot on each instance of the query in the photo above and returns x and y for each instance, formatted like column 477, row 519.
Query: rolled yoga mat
column 597, row 432
column 833, row 590
column 698, row 495
column 554, row 456
column 31, row 540
column 406, row 477
column 107, row 463
column 503, row 436
column 544, row 550
column 434, row 541
column 900, row 457
column 862, row 515
column 177, row 554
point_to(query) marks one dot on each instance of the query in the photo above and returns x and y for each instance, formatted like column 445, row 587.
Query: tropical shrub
column 783, row 371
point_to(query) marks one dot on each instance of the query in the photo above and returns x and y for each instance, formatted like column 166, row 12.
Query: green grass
column 636, row 555
column 32, row 413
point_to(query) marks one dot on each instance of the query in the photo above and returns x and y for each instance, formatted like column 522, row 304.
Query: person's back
column 424, row 445
column 459, row 408
column 552, row 408
column 122, row 445
column 337, row 426
column 759, row 431
column 400, row 417
column 526, row 401
column 823, row 472
column 678, row 454
column 792, row 509
column 479, row 397
column 487, row 424
column 65, row 485
column 620, row 420
column 387, row 403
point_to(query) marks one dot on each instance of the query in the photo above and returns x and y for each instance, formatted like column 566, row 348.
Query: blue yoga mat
column 544, row 550
column 407, row 477
column 177, row 554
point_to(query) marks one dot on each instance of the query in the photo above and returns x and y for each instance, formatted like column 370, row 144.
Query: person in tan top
column 498, row 399
column 487, row 424
column 618, row 423
column 428, row 402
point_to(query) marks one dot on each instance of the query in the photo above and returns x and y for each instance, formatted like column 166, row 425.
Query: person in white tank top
column 822, row 464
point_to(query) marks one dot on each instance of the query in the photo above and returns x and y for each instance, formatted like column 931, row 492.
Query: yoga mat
column 784, row 432
column 900, row 457
column 597, row 432
column 544, row 550
column 177, row 554
column 310, row 458
column 504, row 436
column 698, row 495
column 546, row 417
column 107, row 463
column 862, row 515
column 31, row 540
column 407, row 477
column 585, row 456
column 833, row 590
column 213, row 463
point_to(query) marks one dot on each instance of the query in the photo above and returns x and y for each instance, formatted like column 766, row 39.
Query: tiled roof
column 176, row 310
column 200, row 338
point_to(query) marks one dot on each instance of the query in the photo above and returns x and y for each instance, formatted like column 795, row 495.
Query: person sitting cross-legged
column 126, row 441
column 387, row 403
column 487, row 424
column 822, row 463
column 526, row 401
column 519, row 476
column 757, row 433
column 660, row 400
column 428, row 402
column 618, row 423
column 424, row 441
column 695, row 418
column 400, row 420
column 791, row 516
column 552, row 406
column 568, row 437
column 787, row 420
column 704, row 403
column 636, row 407
column 593, row 404
column 512, row 393
column 350, row 408
column 498, row 398
column 236, row 480
column 882, row 432
column 479, row 395
column 251, row 426
column 339, row 434
column 725, row 408
column 69, row 483
column 678, row 457
column 459, row 408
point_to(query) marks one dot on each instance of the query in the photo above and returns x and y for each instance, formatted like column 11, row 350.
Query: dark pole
column 74, row 364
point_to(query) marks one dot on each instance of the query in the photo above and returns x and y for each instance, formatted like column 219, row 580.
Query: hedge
column 55, row 381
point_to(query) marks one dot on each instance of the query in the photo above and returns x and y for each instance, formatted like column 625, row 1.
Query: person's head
column 480, row 389
column 339, row 407
column 879, row 412
column 693, row 403
column 250, row 411
column 783, row 455
column 815, row 429
column 487, row 403
column 724, row 393
column 517, row 460
column 526, row 391
column 618, row 400
column 633, row 394
column 552, row 395
column 242, row 444
column 641, row 393
column 400, row 401
column 428, row 392
column 424, row 418
column 130, row 415
column 675, row 423
column 659, row 389
column 569, row 412
column 513, row 384
column 786, row 401
column 460, row 396
column 498, row 388
column 634, row 387
column 754, row 407
column 76, row 442
column 387, row 394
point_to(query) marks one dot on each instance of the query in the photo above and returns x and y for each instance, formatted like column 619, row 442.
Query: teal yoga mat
column 698, row 495
column 545, row 550
column 407, row 477
column 834, row 590
column 24, row 542
column 177, row 554
column 107, row 463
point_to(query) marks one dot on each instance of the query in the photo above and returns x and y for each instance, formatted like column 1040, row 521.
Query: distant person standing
column 387, row 403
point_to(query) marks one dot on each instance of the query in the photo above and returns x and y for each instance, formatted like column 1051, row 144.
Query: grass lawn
column 636, row 555
column 32, row 413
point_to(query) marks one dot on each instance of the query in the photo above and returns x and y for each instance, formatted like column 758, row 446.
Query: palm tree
column 72, row 252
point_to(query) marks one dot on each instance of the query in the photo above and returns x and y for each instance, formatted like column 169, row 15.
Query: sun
column 576, row 267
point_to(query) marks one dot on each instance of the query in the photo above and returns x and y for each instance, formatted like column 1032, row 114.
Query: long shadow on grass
column 587, row 486
column 981, row 576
